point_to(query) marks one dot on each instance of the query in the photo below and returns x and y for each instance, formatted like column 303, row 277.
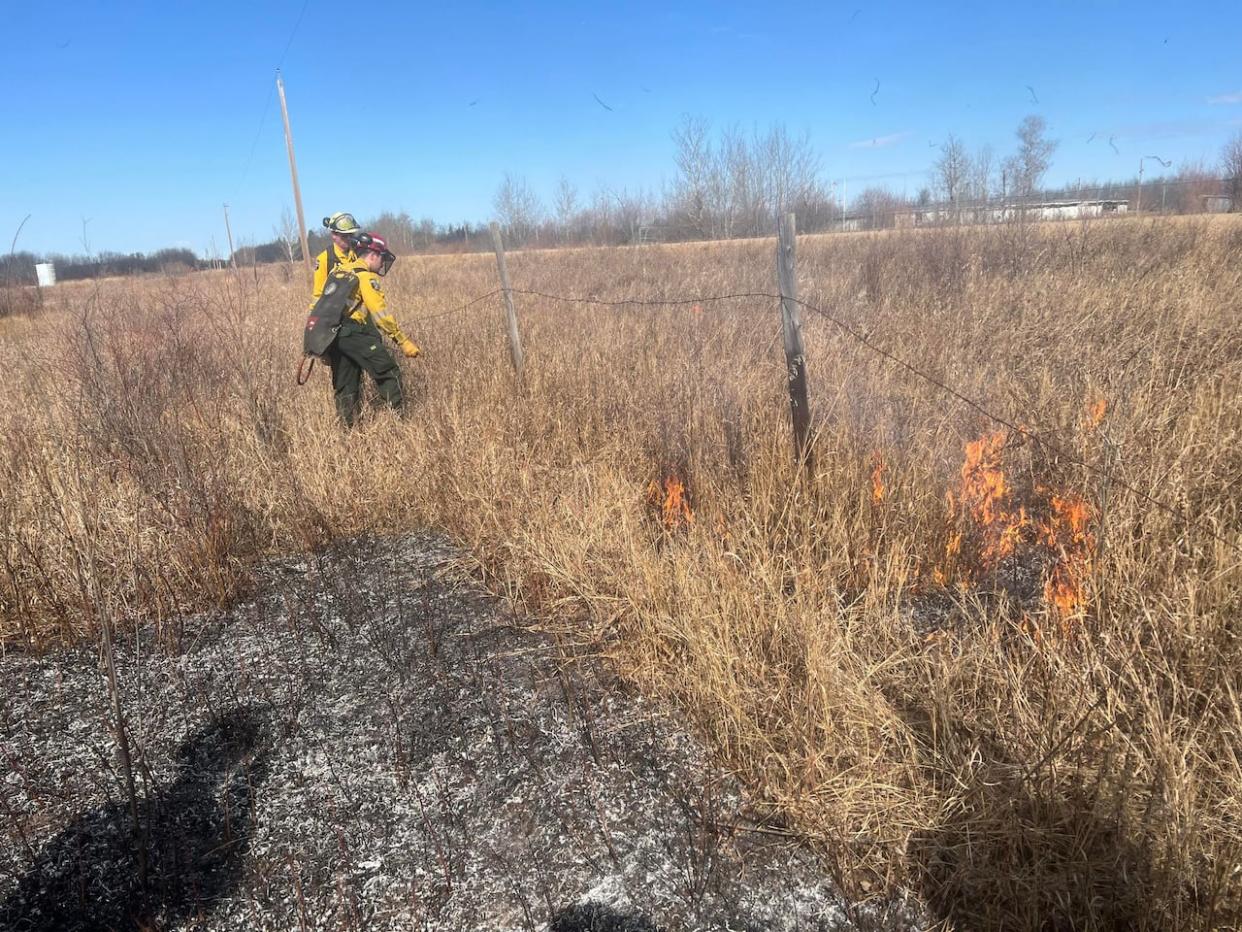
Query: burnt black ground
column 190, row 851
column 370, row 746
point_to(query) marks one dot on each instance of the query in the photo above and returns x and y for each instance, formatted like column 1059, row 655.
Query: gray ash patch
column 1013, row 592
column 367, row 746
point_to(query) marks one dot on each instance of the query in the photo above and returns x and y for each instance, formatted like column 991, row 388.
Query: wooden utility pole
column 1138, row 205
column 515, row 339
column 228, row 232
column 795, row 354
column 293, row 173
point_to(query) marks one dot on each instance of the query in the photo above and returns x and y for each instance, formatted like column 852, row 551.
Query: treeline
column 18, row 268
column 728, row 184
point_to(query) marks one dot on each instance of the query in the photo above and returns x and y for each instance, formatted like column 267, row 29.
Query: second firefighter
column 359, row 346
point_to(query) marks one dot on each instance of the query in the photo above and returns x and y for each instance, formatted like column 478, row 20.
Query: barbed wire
column 457, row 310
column 1193, row 523
column 644, row 302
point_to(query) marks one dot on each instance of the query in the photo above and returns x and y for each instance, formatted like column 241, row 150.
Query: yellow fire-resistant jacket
column 321, row 268
column 371, row 302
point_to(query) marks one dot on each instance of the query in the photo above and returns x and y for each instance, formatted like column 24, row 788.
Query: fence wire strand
column 457, row 310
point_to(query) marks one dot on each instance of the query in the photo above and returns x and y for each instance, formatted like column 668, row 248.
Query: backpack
column 325, row 317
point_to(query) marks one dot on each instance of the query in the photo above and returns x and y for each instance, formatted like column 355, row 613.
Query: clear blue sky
column 142, row 117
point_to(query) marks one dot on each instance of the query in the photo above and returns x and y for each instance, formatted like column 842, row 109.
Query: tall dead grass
column 942, row 736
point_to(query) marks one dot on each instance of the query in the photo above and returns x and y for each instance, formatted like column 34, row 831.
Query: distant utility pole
column 229, row 233
column 293, row 173
column 1138, row 202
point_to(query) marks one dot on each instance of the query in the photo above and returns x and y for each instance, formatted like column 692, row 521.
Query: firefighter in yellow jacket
column 359, row 346
column 344, row 229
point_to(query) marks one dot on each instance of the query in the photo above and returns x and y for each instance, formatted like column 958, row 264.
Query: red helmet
column 371, row 242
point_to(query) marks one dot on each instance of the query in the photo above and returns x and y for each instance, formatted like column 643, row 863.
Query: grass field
column 954, row 660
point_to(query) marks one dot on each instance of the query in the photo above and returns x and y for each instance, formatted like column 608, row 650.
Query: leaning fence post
column 515, row 339
column 795, row 354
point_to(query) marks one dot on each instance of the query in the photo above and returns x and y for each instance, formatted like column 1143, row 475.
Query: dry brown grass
column 947, row 738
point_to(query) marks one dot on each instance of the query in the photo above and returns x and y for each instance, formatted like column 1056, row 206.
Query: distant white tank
column 46, row 273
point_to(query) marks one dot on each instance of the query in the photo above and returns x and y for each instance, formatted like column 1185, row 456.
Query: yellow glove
column 409, row 349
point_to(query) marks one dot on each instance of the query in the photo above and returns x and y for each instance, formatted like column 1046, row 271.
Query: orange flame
column 1095, row 413
column 985, row 499
column 1067, row 535
column 878, row 468
column 672, row 501
column 984, row 513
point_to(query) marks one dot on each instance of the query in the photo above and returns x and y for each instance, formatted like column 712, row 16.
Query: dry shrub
column 946, row 732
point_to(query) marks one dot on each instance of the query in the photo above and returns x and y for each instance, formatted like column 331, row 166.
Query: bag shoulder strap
column 349, row 282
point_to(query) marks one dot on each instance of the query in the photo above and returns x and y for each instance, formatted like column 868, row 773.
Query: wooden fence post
column 515, row 339
column 795, row 354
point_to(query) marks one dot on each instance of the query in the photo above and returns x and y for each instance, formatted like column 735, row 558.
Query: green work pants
column 359, row 348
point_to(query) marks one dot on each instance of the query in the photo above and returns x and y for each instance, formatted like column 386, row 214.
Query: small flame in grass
column 1067, row 534
column 985, row 499
column 697, row 311
column 670, row 499
column 878, row 468
column 1095, row 412
column 988, row 527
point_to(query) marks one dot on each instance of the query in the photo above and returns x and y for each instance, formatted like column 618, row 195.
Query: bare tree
column 739, row 184
column 426, row 231
column 790, row 169
column 566, row 205
column 697, row 190
column 398, row 229
column 287, row 234
column 517, row 209
column 877, row 208
column 1186, row 192
column 594, row 218
column 951, row 171
column 1231, row 168
column 740, row 200
column 628, row 214
column 1026, row 168
column 981, row 175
